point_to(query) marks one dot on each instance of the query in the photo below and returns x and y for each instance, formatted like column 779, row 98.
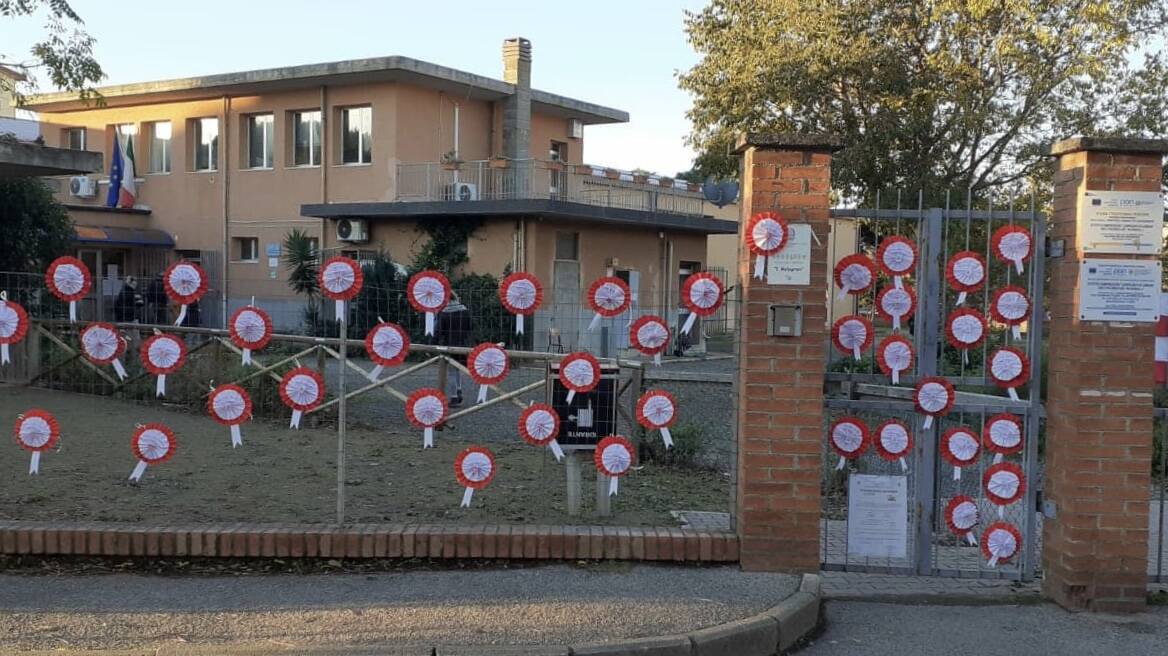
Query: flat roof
column 21, row 160
column 352, row 71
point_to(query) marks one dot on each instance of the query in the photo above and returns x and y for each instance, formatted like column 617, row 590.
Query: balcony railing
column 537, row 179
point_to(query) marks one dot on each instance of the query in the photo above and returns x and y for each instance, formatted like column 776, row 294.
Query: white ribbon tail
column 971, row 539
column 1018, row 265
column 375, row 372
column 993, row 562
column 246, row 356
column 72, row 311
column 898, row 282
column 120, row 370
column 160, row 386
column 594, row 323
column 1013, row 394
column 4, row 358
column 928, row 422
column 843, row 293
column 689, row 322
column 296, row 415
column 760, row 267
column 956, row 473
column 519, row 324
column 961, row 298
column 840, row 465
column 997, row 458
column 182, row 314
column 466, row 495
column 896, row 376
column 340, row 310
column 1017, row 330
column 571, row 395
column 139, row 469
column 34, row 463
column 1001, row 512
column 856, row 351
column 428, row 438
column 482, row 393
column 236, row 436
column 657, row 358
column 557, row 450
column 964, row 356
column 667, row 438
column 429, row 323
column 896, row 321
column 613, row 484
column 903, row 465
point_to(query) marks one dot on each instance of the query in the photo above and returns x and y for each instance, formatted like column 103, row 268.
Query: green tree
column 926, row 94
column 34, row 228
column 65, row 54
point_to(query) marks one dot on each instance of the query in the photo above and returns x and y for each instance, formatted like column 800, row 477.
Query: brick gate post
column 1099, row 400
column 780, row 379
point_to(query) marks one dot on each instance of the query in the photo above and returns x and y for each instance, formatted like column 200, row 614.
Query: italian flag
column 128, row 195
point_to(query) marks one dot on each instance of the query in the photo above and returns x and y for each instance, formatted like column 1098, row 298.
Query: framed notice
column 1119, row 290
column 792, row 265
column 1121, row 222
column 877, row 516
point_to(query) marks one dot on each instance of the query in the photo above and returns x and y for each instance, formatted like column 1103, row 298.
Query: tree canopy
column 926, row 94
column 65, row 54
column 34, row 228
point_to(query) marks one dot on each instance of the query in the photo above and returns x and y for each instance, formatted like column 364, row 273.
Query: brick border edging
column 369, row 541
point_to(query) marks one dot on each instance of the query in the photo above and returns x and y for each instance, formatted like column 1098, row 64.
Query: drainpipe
column 456, row 139
column 225, row 134
column 324, row 157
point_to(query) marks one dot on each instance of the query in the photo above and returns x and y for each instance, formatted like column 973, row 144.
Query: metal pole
column 1034, row 411
column 931, row 313
column 341, row 403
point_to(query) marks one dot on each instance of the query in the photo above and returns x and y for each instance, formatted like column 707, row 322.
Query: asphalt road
column 876, row 629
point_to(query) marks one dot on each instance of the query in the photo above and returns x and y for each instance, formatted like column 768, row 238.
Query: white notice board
column 1119, row 290
column 1121, row 222
column 792, row 265
column 877, row 516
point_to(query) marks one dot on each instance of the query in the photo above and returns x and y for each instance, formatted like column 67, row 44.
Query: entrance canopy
column 120, row 236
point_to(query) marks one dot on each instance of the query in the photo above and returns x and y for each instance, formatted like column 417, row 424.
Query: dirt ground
column 284, row 475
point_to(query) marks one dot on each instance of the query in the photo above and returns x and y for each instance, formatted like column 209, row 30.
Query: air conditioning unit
column 461, row 191
column 576, row 128
column 352, row 230
column 81, row 186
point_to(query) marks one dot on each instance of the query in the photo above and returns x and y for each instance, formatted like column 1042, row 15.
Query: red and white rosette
column 649, row 334
column 965, row 329
column 539, row 425
column 185, row 282
column 608, row 297
column 962, row 516
column 152, row 444
column 301, row 389
column 852, row 334
column 1009, row 368
column 250, row 329
column 69, row 280
column 897, row 256
column 1000, row 542
column 162, row 355
column 657, row 410
column 766, row 235
column 933, row 397
column 426, row 408
column 702, row 294
column 1011, row 306
column 428, row 292
column 387, row 344
column 849, row 437
column 854, row 274
column 36, row 431
column 230, row 405
column 895, row 354
column 1004, row 484
column 340, row 278
column 893, row 441
column 1002, row 434
column 614, row 457
column 1012, row 244
column 579, row 372
column 13, row 326
column 895, row 303
column 521, row 294
column 101, row 344
column 474, row 468
column 960, row 448
column 966, row 273
column 488, row 365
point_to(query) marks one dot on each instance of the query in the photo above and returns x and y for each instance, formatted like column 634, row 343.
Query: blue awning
column 118, row 236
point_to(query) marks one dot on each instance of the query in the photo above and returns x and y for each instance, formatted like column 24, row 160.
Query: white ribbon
column 760, row 267
column 160, row 386
column 613, row 484
column 236, row 436
column 657, row 358
column 595, row 322
column 1001, row 512
column 571, row 395
column 72, row 311
column 961, row 296
column 971, row 539
column 466, row 495
column 4, row 356
column 139, row 469
column 842, row 461
column 182, row 314
column 296, row 415
column 428, row 437
column 896, row 376
column 34, row 463
column 246, row 356
column 897, row 282
column 667, row 438
column 557, row 451
column 689, row 322
column 1016, row 330
column 482, row 394
column 375, row 372
column 844, row 289
column 928, row 422
column 956, row 473
column 119, row 370
column 340, row 312
column 1013, row 394
column 429, row 323
column 519, row 324
column 903, row 465
column 997, row 458
column 1018, row 265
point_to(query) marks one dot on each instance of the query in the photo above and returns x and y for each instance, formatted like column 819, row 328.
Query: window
column 558, row 152
column 260, row 137
column 206, row 143
column 306, row 138
column 357, row 135
column 160, row 133
column 73, row 138
column 128, row 133
column 245, row 249
column 567, row 245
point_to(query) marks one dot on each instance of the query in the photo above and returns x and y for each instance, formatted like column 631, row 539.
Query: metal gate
column 857, row 388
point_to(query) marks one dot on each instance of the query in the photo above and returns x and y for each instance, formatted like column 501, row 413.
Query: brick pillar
column 780, row 379
column 1099, row 401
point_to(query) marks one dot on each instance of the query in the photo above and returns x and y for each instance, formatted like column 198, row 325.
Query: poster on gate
column 877, row 516
column 590, row 416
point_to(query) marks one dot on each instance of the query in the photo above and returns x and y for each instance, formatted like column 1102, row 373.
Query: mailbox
column 785, row 320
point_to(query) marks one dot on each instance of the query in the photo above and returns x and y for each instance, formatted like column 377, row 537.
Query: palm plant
column 302, row 257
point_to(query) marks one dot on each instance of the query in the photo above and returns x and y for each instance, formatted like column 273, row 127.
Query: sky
column 622, row 54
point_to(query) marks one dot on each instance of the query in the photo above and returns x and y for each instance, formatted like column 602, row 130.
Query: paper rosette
column 1002, row 435
column 101, row 344
column 893, row 441
column 69, row 280
column 897, row 256
column 340, row 278
column 702, row 294
column 36, row 432
column 13, row 326
column 230, row 405
column 428, row 292
column 185, row 282
column 965, row 329
column 962, row 516
column 1000, row 542
column 162, row 355
column 614, row 457
column 488, row 365
column 426, row 408
column 965, row 273
column 539, row 425
column 766, row 235
column 895, row 354
column 250, row 329
column 1011, row 306
column 301, row 389
column 649, row 335
column 579, row 373
column 474, row 468
column 1004, row 484
column 521, row 294
column 387, row 344
column 152, row 444
column 1009, row 368
column 849, row 438
column 960, row 448
column 852, row 334
column 1013, row 245
column 854, row 274
column 608, row 297
column 895, row 303
column 657, row 410
column 933, row 397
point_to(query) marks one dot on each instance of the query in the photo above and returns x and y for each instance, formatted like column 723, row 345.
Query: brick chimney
column 517, row 106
